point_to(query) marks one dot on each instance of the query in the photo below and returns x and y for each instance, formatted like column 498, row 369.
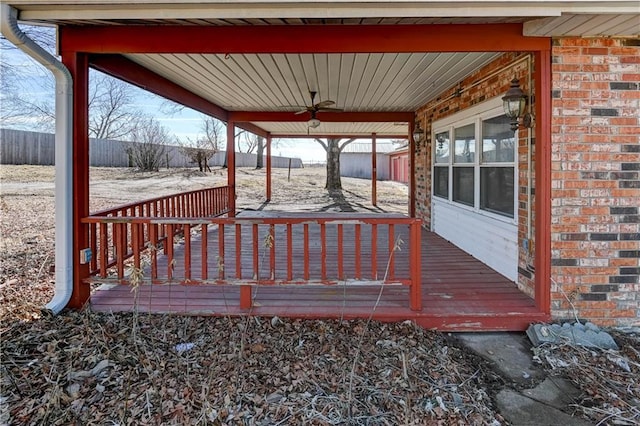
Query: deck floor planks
column 458, row 291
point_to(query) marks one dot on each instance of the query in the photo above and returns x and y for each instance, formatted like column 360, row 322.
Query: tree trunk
column 259, row 152
column 333, row 165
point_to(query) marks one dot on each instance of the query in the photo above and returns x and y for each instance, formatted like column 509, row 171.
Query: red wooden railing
column 112, row 244
column 264, row 251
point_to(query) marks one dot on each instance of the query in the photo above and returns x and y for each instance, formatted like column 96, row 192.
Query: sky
column 183, row 123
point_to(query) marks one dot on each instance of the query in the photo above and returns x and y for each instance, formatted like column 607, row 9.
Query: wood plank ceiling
column 372, row 82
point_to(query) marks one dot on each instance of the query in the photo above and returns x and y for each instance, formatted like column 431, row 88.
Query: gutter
column 63, row 155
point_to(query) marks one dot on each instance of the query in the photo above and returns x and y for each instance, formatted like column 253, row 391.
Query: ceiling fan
column 315, row 108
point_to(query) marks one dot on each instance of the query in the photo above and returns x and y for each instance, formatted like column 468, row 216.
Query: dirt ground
column 137, row 369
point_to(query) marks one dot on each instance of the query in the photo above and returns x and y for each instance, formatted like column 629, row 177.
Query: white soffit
column 363, row 82
column 608, row 25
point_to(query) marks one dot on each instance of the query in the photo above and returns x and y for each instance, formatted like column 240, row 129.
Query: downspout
column 63, row 155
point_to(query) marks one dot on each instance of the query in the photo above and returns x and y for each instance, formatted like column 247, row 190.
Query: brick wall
column 595, row 236
column 488, row 82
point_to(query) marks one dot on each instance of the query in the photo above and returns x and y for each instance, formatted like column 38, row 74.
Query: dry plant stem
column 396, row 246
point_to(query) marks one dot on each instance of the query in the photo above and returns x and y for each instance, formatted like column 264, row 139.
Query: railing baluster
column 391, row 261
column 415, row 298
column 169, row 251
column 187, row 252
column 120, row 248
column 135, row 244
column 93, row 245
column 272, row 252
column 204, row 246
column 358, row 251
column 238, row 250
column 374, row 251
column 306, row 251
column 256, row 272
column 323, row 250
column 340, row 253
column 153, row 237
column 103, row 250
column 289, row 252
column 221, row 253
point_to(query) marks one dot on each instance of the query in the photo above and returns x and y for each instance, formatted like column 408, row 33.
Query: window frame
column 474, row 115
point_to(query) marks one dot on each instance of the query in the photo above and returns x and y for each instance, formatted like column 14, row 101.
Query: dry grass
column 101, row 369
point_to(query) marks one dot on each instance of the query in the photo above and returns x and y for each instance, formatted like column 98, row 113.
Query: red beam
column 337, row 135
column 374, row 171
column 300, row 39
column 329, row 117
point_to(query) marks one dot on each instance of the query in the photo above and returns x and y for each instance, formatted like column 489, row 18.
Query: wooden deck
column 458, row 293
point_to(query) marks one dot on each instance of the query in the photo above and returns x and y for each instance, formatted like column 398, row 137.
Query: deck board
column 458, row 291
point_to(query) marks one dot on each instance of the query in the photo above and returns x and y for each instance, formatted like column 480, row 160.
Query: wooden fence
column 22, row 147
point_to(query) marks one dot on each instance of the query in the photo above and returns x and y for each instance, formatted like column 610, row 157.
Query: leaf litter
column 124, row 369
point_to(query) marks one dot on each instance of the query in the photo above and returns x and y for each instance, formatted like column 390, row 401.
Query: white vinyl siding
column 479, row 223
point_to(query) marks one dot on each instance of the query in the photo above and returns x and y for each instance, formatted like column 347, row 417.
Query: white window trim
column 473, row 115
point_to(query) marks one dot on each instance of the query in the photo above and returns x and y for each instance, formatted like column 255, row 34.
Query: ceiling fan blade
column 330, row 109
column 324, row 104
column 302, row 111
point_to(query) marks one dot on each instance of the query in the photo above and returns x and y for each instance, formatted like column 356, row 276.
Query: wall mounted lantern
column 514, row 103
column 418, row 134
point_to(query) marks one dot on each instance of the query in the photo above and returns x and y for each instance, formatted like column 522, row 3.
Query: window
column 441, row 169
column 463, row 164
column 474, row 162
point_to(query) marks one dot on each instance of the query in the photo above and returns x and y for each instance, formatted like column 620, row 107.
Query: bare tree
column 205, row 147
column 20, row 77
column 333, row 148
column 249, row 143
column 149, row 150
column 112, row 114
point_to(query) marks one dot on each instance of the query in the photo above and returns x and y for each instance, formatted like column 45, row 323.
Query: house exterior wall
column 595, row 229
column 487, row 83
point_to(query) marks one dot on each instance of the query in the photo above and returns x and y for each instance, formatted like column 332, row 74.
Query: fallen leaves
column 91, row 368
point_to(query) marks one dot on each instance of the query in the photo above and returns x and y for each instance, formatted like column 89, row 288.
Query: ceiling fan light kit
column 315, row 107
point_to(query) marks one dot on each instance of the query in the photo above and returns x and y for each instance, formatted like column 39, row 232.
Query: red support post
column 543, row 180
column 374, row 171
column 187, row 252
column 412, row 171
column 204, row 251
column 269, row 167
column 231, row 167
column 78, row 66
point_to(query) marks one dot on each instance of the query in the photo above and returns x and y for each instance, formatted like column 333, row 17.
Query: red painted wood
column 187, row 252
column 358, row 260
column 416, row 267
column 255, row 251
column 374, row 171
column 298, row 39
column 239, row 251
column 221, row 258
column 169, row 252
column 204, row 250
column 289, row 252
column 341, row 251
column 231, row 167
column 135, row 245
column 412, row 177
column 391, row 256
column 306, row 252
column 268, row 176
column 120, row 247
column 153, row 239
column 374, row 251
column 329, row 117
column 77, row 64
column 272, row 252
column 334, row 135
column 543, row 180
column 102, row 254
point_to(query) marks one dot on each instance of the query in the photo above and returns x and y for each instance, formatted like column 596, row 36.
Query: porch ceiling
column 361, row 82
column 358, row 82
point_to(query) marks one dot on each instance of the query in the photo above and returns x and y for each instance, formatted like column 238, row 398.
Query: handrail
column 111, row 245
column 248, row 251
